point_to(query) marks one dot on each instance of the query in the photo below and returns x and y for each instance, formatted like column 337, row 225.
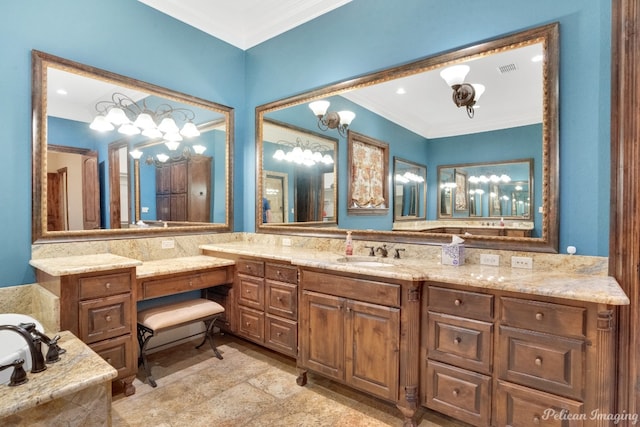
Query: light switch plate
column 522, row 262
column 490, row 259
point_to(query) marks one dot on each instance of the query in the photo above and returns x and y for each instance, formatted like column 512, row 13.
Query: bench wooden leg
column 209, row 335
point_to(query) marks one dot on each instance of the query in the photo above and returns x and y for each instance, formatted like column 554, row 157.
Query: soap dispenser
column 349, row 245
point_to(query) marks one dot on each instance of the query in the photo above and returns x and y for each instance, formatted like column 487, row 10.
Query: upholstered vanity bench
column 162, row 318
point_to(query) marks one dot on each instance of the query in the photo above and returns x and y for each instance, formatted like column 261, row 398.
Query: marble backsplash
column 150, row 249
column 32, row 300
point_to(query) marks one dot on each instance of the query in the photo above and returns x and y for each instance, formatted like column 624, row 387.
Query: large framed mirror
column 116, row 156
column 428, row 116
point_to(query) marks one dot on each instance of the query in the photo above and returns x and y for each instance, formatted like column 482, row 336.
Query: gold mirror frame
column 548, row 242
column 41, row 61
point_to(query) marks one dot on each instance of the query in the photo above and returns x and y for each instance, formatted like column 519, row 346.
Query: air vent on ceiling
column 507, row 68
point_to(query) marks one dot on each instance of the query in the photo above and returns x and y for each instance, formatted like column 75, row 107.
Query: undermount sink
column 363, row 262
column 13, row 345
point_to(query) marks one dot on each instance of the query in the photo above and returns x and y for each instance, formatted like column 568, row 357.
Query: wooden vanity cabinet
column 100, row 309
column 508, row 359
column 354, row 330
column 266, row 302
column 459, row 338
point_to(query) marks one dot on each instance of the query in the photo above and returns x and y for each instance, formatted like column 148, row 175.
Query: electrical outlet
column 286, row 242
column 168, row 244
column 522, row 262
column 490, row 259
column 145, row 209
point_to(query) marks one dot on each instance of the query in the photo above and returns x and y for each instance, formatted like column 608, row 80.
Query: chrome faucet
column 37, row 360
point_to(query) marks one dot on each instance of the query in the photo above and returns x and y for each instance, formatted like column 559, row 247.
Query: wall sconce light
column 133, row 119
column 332, row 120
column 464, row 94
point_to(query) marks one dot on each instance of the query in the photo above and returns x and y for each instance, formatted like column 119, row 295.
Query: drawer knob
column 248, row 323
column 279, row 299
column 536, row 419
column 538, row 361
column 107, row 285
column 107, row 318
column 279, row 334
column 457, row 340
column 539, row 316
column 108, row 359
column 455, row 392
column 458, row 302
column 190, row 283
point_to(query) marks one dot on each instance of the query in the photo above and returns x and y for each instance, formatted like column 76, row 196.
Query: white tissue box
column 452, row 254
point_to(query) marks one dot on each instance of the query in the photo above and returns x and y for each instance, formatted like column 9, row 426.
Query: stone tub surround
column 32, row 300
column 569, row 285
column 74, row 391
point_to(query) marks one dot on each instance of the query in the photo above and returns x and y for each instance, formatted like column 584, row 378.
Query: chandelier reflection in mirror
column 132, row 118
column 464, row 94
column 408, row 177
column 332, row 120
column 304, row 153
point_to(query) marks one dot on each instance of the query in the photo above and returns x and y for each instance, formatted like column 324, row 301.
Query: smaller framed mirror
column 299, row 176
column 487, row 190
column 409, row 190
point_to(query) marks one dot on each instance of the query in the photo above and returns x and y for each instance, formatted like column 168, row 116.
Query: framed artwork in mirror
column 462, row 195
column 367, row 175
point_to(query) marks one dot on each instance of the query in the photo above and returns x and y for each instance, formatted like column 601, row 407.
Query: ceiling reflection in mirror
column 105, row 173
column 414, row 110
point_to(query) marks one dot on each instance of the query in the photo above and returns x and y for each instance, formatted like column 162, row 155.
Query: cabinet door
column 372, row 348
column 179, row 207
column 199, row 189
column 163, row 179
column 179, row 177
column 322, row 334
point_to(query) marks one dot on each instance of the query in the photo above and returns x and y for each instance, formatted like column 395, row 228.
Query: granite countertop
column 77, row 369
column 179, row 265
column 60, row 266
column 581, row 287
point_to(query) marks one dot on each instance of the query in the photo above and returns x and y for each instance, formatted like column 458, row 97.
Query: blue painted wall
column 129, row 38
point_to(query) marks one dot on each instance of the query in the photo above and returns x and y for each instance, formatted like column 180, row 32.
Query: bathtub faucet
column 37, row 360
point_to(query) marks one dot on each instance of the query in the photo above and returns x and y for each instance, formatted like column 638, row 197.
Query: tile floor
column 251, row 386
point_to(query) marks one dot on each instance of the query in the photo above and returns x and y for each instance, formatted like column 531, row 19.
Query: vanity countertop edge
column 581, row 287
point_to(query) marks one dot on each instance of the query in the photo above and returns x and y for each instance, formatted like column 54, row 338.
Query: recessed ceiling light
column 61, row 92
column 401, row 91
column 537, row 58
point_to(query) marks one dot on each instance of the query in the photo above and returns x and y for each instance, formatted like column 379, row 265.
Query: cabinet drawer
column 546, row 362
column 387, row 294
column 282, row 273
column 120, row 353
column 250, row 267
column 251, row 323
column 104, row 285
column 282, row 299
column 281, row 335
column 520, row 406
column 184, row 283
column 461, row 342
column 251, row 291
column 105, row 318
column 460, row 303
column 463, row 394
column 543, row 316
